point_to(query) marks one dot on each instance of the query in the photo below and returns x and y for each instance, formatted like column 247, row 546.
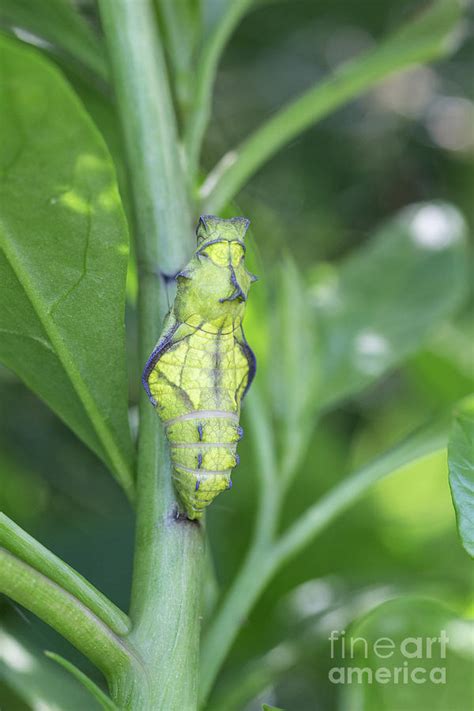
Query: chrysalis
column 202, row 366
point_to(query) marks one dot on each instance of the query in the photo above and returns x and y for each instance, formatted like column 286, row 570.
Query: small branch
column 263, row 562
column 15, row 540
column 422, row 444
column 65, row 613
column 180, row 22
column 256, row 569
column 247, row 587
column 206, row 74
column 424, row 39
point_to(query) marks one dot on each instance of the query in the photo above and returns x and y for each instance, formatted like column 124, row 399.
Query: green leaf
column 461, row 471
column 63, row 257
column 383, row 302
column 100, row 696
column 292, row 372
column 429, row 644
column 267, row 707
column 38, row 682
column 293, row 345
column 61, row 27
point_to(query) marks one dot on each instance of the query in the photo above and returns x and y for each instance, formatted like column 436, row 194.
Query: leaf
column 63, row 257
column 429, row 644
column 55, row 24
column 383, row 302
column 461, row 471
column 38, row 682
column 267, row 707
column 292, row 372
column 292, row 365
column 100, row 696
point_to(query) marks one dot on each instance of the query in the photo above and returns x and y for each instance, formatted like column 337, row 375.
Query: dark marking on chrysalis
column 237, row 293
column 181, row 519
column 203, row 331
column 162, row 347
column 184, row 273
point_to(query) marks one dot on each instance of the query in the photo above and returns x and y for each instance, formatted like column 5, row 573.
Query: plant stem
column 263, row 561
column 422, row 40
column 206, row 73
column 29, row 550
column 65, row 613
column 166, row 590
column 180, row 22
column 247, row 587
column 151, row 140
column 317, row 517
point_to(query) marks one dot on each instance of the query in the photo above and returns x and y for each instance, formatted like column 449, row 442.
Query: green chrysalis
column 202, row 366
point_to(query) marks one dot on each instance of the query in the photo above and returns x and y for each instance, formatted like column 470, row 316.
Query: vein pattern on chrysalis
column 202, row 366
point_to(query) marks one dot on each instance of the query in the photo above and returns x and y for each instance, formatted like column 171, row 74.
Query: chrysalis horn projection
column 202, row 366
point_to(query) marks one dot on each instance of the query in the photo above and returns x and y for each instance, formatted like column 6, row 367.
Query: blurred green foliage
column 376, row 321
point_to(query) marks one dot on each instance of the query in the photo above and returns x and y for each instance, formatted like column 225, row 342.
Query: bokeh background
column 316, row 202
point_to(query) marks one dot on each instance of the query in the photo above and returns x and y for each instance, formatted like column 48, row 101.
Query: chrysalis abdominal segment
column 202, row 366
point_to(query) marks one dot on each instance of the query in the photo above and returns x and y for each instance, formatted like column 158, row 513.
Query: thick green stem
column 66, row 614
column 166, row 589
column 151, row 141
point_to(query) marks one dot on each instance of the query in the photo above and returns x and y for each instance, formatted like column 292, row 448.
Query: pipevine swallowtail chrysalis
column 202, row 366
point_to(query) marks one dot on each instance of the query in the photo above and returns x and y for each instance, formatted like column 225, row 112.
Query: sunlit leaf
column 63, row 258
column 461, row 471
column 382, row 303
